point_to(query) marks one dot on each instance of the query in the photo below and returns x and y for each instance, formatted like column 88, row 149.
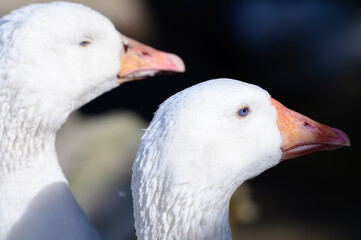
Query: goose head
column 202, row 144
column 59, row 56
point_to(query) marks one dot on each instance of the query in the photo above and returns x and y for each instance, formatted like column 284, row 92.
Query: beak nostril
column 146, row 53
column 306, row 124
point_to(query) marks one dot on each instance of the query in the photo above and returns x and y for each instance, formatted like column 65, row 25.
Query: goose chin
column 308, row 149
column 142, row 73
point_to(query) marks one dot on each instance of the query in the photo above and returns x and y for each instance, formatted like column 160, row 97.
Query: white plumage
column 199, row 148
column 54, row 58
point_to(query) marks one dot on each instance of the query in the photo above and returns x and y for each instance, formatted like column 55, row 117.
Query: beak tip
column 343, row 137
column 178, row 63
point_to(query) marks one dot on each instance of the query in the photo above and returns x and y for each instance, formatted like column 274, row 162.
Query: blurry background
column 306, row 53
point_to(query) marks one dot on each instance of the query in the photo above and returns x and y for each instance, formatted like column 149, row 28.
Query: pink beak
column 302, row 135
column 141, row 61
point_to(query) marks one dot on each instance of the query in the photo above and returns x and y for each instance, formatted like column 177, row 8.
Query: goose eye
column 84, row 43
column 243, row 112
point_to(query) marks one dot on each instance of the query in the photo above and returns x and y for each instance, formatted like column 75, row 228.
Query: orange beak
column 302, row 135
column 141, row 61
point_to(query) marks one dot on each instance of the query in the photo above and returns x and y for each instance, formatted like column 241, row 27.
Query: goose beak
column 302, row 135
column 140, row 61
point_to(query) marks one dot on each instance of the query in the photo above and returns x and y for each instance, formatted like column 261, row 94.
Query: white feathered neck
column 45, row 74
column 194, row 155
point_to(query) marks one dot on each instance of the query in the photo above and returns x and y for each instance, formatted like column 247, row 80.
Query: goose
column 54, row 58
column 202, row 144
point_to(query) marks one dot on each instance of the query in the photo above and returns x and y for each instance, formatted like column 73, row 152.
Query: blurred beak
column 140, row 61
column 302, row 135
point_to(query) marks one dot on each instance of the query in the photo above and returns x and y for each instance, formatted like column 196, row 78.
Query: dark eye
column 84, row 43
column 243, row 112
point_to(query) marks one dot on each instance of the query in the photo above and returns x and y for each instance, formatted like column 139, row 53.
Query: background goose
column 202, row 144
column 54, row 58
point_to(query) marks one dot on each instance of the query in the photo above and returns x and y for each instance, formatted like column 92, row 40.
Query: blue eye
column 243, row 112
column 84, row 43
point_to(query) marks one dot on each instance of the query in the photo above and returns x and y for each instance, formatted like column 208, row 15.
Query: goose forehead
column 57, row 19
column 60, row 19
column 220, row 94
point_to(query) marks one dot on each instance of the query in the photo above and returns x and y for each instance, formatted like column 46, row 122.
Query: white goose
column 53, row 59
column 202, row 144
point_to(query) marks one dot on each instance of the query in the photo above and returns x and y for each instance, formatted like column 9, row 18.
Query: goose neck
column 183, row 212
column 26, row 139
